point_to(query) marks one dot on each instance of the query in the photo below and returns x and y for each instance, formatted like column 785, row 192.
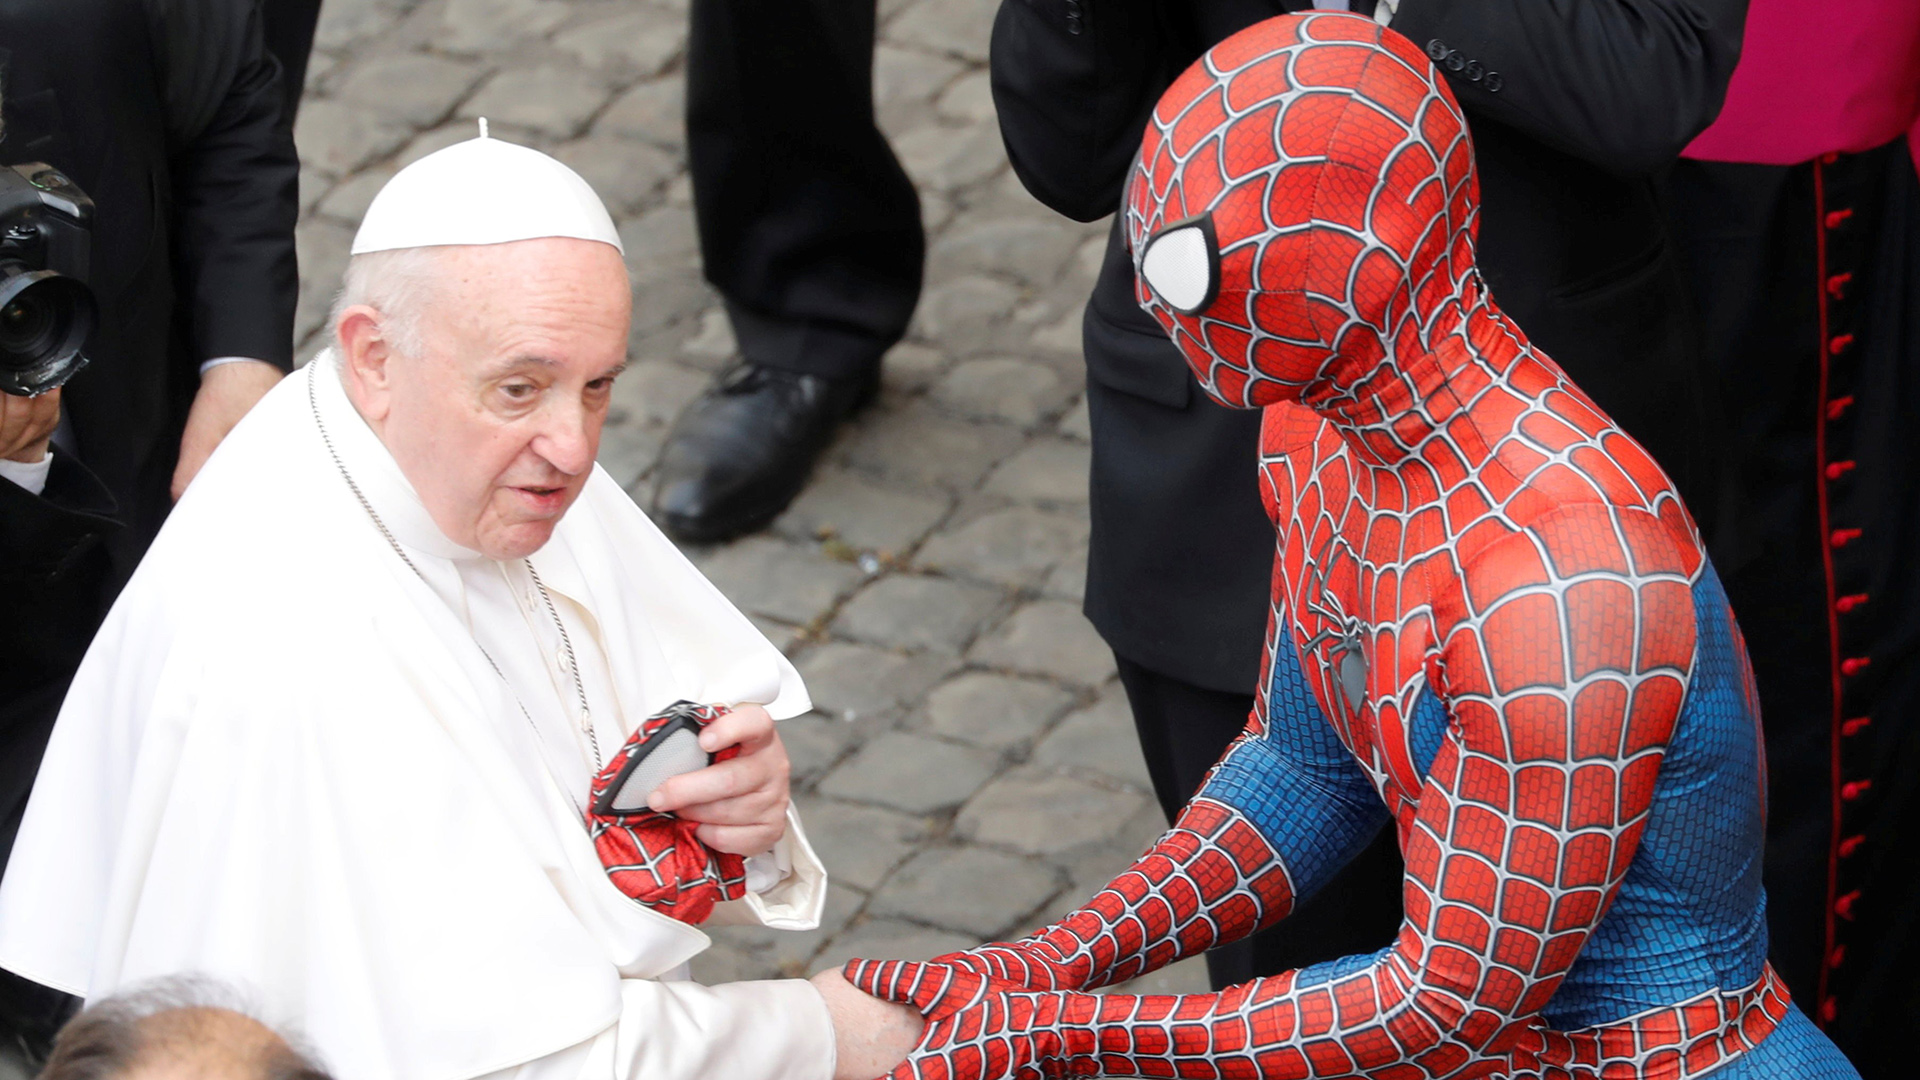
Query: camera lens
column 28, row 325
column 44, row 321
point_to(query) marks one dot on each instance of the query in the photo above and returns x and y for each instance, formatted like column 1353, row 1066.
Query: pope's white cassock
column 288, row 764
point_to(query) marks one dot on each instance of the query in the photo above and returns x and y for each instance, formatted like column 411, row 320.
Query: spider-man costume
column 1493, row 626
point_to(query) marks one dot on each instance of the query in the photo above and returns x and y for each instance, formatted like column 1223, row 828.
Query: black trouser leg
column 1183, row 730
column 808, row 226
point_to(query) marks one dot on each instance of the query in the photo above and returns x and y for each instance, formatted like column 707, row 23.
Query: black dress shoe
column 741, row 452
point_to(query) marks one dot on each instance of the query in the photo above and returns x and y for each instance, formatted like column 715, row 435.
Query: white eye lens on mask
column 1182, row 264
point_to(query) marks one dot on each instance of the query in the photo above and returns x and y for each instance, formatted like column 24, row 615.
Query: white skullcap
column 482, row 191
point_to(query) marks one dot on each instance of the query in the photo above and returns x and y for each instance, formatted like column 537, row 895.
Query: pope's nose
column 567, row 441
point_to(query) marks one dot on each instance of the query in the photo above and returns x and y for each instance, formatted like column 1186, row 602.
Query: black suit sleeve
column 1072, row 83
column 235, row 182
column 1621, row 84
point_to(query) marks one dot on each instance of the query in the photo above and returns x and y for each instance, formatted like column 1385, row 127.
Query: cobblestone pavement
column 971, row 769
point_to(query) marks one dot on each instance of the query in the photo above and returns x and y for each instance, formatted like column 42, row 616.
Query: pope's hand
column 741, row 803
column 26, row 424
column 871, row 1036
column 226, row 393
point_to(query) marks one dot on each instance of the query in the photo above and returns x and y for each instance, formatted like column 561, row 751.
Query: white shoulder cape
column 285, row 764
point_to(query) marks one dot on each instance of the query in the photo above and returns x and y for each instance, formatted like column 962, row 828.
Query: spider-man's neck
column 1458, row 373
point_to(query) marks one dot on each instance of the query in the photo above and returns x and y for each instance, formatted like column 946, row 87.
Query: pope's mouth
column 542, row 499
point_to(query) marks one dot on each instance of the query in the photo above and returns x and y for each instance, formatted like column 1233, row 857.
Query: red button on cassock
column 1839, row 343
column 1854, row 665
column 1837, row 285
column 1835, row 217
column 1842, row 537
column 1837, row 469
column 1853, row 726
column 1843, row 907
column 1853, row 789
column 1850, row 845
column 1848, row 603
column 1839, row 405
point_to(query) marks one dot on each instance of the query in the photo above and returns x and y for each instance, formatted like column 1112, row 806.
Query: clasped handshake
column 684, row 849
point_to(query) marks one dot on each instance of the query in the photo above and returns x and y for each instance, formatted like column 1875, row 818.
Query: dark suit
column 168, row 113
column 1571, row 115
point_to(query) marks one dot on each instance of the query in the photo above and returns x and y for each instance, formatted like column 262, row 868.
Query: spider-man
column 1493, row 626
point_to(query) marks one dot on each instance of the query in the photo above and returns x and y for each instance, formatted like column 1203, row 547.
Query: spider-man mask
column 1303, row 206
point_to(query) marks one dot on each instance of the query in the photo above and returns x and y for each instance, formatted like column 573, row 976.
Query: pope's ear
column 364, row 353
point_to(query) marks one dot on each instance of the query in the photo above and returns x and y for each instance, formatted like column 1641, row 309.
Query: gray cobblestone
column 1044, row 813
column 554, row 101
column 968, row 100
column 1100, row 738
column 343, row 22
column 633, row 44
column 1076, row 423
column 413, row 88
column 337, row 138
column 903, row 77
column 349, row 199
column 862, row 513
column 966, row 311
column 862, row 844
column 1047, row 637
column 1044, row 471
column 946, row 157
column 911, row 772
column 993, row 710
column 969, row 889
column 861, row 681
column 916, row 446
column 623, row 171
column 1013, row 546
column 1001, row 388
column 956, row 27
column 475, row 26
column 650, row 110
column 911, row 611
column 1032, row 250
column 787, row 581
column 891, row 939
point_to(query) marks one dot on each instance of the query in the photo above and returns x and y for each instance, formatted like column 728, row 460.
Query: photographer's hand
column 226, row 393
column 26, row 424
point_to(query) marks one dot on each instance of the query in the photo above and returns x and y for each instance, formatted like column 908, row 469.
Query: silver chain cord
column 566, row 643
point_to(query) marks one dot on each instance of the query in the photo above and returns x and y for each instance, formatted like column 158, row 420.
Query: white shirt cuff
column 33, row 477
column 218, row 360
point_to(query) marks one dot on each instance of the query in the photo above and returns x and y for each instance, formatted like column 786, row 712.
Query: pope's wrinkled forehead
column 1320, row 131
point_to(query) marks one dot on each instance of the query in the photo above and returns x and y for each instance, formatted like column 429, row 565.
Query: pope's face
column 498, row 420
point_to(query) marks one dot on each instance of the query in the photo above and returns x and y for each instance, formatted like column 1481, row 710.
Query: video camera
column 46, row 310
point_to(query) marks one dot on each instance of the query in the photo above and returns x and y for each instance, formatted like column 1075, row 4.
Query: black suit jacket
column 168, row 114
column 1574, row 108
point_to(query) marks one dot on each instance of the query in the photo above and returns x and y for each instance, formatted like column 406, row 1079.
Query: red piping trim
column 1826, row 556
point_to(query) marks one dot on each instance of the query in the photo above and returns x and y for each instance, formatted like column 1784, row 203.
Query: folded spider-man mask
column 651, row 856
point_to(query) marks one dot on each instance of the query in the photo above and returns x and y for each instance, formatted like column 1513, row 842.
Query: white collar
column 378, row 475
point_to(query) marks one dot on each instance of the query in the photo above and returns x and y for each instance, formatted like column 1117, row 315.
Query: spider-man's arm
column 1284, row 809
column 1565, row 671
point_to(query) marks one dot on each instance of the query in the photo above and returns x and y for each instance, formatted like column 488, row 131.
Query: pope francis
column 334, row 744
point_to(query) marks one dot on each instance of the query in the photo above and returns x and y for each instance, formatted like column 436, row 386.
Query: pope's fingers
column 723, row 780
column 746, row 726
column 741, row 839
column 758, row 807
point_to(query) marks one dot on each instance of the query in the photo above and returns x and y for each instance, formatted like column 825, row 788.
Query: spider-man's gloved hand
column 1211, row 879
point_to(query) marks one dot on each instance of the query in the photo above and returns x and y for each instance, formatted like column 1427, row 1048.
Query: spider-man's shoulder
column 1574, row 554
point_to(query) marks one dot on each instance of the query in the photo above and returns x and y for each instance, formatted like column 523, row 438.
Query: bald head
column 173, row 1031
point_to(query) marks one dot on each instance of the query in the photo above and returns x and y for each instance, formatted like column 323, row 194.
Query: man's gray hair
column 170, row 1019
column 395, row 283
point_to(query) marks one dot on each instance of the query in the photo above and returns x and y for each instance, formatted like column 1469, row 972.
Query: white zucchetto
column 483, row 191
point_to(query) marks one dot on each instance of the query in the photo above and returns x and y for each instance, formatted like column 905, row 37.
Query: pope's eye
column 519, row 391
column 1182, row 264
